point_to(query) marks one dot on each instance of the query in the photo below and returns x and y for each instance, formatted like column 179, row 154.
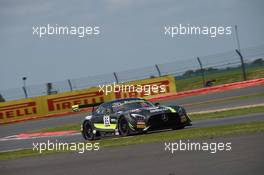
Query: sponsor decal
column 18, row 110
column 102, row 126
column 66, row 102
column 113, row 120
column 158, row 110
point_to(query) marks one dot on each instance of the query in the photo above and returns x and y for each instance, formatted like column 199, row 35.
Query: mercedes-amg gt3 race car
column 130, row 116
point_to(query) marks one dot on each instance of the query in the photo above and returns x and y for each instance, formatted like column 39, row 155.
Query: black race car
column 131, row 115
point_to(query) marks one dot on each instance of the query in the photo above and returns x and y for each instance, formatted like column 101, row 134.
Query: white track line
column 14, row 137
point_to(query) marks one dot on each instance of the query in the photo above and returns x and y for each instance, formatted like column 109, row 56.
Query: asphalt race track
column 246, row 156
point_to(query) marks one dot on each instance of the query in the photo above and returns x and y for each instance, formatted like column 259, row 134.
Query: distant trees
column 259, row 62
column 199, row 71
column 189, row 73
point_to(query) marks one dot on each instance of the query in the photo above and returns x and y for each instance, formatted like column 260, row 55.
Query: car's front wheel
column 87, row 131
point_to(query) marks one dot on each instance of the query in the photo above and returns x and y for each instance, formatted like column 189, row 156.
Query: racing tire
column 123, row 127
column 87, row 131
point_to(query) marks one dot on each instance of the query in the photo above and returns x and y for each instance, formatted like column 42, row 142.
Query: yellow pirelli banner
column 19, row 110
column 30, row 108
column 63, row 102
column 147, row 88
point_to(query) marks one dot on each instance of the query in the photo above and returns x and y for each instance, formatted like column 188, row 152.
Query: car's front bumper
column 160, row 121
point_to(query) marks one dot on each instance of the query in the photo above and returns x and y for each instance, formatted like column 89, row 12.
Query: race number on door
column 106, row 120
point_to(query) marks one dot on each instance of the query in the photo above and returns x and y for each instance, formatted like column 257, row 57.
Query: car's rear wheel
column 87, row 131
column 123, row 127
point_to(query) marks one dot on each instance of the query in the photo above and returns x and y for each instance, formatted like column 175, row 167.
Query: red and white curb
column 24, row 136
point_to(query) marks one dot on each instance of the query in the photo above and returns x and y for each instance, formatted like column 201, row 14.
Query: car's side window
column 108, row 109
column 100, row 110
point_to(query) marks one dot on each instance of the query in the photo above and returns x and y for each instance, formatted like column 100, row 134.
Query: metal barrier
column 191, row 73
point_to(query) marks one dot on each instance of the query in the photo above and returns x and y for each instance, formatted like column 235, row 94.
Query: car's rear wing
column 76, row 108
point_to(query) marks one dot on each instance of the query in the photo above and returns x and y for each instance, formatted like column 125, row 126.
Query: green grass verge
column 194, row 133
column 228, row 113
column 74, row 126
column 223, row 77
column 228, row 99
column 23, row 153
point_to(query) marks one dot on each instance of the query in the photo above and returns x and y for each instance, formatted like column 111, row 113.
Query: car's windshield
column 132, row 104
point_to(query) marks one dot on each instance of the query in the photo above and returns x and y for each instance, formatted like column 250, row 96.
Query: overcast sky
column 131, row 35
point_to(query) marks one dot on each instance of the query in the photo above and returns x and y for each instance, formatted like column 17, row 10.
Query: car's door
column 98, row 115
column 103, row 119
column 113, row 115
column 109, row 118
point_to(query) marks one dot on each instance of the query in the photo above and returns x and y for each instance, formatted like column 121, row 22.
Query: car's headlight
column 138, row 116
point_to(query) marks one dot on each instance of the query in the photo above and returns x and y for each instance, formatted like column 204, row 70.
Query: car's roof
column 123, row 99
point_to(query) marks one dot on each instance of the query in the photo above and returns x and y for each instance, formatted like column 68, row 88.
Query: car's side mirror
column 157, row 104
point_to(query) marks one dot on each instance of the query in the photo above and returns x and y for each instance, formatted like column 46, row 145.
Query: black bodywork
column 132, row 115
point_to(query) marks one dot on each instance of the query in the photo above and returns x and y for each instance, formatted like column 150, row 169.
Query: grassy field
column 227, row 99
column 228, row 113
column 220, row 77
column 193, row 133
column 74, row 126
